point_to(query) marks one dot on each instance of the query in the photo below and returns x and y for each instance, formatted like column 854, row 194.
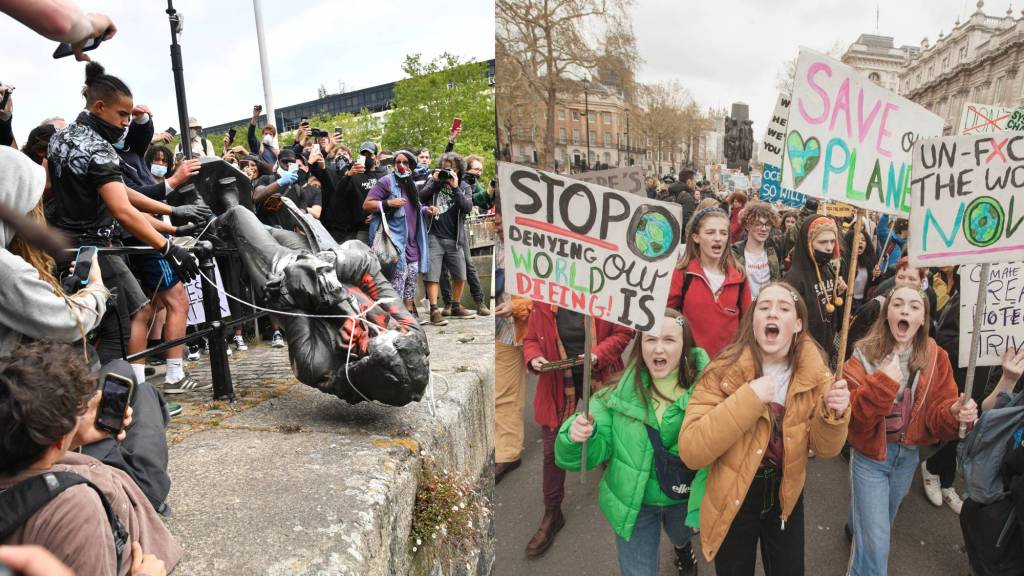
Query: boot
column 552, row 522
column 410, row 305
column 686, row 560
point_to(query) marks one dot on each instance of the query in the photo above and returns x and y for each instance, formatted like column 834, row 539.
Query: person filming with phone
column 91, row 516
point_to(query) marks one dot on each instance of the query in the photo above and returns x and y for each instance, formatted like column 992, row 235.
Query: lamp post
column 179, row 80
column 264, row 64
column 586, row 112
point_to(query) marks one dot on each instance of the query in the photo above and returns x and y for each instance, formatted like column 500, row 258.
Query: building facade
column 879, row 59
column 977, row 62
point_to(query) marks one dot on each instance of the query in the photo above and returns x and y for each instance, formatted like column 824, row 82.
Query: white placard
column 194, row 290
column 1002, row 325
column 629, row 179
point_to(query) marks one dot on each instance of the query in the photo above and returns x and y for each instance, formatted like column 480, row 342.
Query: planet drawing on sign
column 803, row 155
column 983, row 221
column 653, row 233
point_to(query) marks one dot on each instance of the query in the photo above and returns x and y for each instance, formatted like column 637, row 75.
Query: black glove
column 188, row 229
column 190, row 213
column 181, row 260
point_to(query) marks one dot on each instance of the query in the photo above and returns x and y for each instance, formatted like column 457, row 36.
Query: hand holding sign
column 837, row 398
column 538, row 362
column 964, row 410
column 581, row 429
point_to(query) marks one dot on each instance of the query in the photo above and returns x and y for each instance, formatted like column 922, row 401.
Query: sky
column 732, row 50
column 357, row 45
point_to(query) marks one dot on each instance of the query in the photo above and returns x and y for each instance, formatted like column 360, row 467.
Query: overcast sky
column 732, row 50
column 309, row 43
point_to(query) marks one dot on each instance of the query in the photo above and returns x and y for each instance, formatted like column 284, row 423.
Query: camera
column 444, row 174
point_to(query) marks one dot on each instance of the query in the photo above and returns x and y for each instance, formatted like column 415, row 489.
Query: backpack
column 983, row 451
column 19, row 502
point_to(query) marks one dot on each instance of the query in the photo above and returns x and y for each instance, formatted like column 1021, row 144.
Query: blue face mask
column 158, row 170
column 119, row 144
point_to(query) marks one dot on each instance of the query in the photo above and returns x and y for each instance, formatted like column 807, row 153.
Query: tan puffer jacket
column 727, row 428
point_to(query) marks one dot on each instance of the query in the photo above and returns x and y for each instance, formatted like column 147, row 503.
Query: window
column 575, row 116
column 607, row 138
column 607, row 158
column 963, row 53
column 561, row 114
column 575, row 135
column 945, row 63
column 997, row 92
column 607, row 118
column 874, row 77
column 593, row 137
column 592, row 117
column 561, row 135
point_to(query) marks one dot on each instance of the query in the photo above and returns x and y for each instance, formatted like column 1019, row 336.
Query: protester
column 633, row 426
column 394, row 197
column 765, row 401
column 867, row 270
column 814, row 275
column 682, row 193
column 753, row 254
column 892, row 239
column 48, row 407
column 483, row 200
column 870, row 310
column 201, row 146
column 343, row 214
column 452, row 199
column 651, row 187
column 736, row 202
column 903, row 396
column 266, row 148
column 707, row 286
column 555, row 334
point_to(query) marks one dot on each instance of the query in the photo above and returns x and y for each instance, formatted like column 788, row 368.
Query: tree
column 550, row 41
column 435, row 93
column 665, row 115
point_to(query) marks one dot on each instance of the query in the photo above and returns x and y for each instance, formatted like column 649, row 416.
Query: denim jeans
column 878, row 488
column 639, row 556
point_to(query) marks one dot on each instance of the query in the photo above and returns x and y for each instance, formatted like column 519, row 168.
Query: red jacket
column 714, row 319
column 735, row 226
column 610, row 340
column 872, row 397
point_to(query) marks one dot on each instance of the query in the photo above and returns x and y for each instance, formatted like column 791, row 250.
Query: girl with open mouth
column 761, row 404
column 708, row 287
column 634, row 426
column 903, row 396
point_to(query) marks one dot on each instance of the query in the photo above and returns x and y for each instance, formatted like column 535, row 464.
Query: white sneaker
column 228, row 350
column 193, row 354
column 277, row 341
column 932, row 487
column 952, row 499
column 240, row 344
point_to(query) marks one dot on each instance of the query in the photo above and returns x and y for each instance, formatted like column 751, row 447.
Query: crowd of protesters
column 745, row 384
column 73, row 496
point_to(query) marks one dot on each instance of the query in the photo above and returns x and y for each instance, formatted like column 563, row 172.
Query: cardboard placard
column 629, row 179
column 985, row 118
column 850, row 140
column 588, row 248
column 966, row 194
column 1003, row 321
column 194, row 290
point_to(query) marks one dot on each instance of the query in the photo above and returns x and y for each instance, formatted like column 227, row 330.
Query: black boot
column 686, row 560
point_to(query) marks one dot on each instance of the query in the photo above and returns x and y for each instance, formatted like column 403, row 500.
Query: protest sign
column 630, row 179
column 849, row 139
column 194, row 290
column 985, row 118
column 964, row 194
column 1002, row 323
column 770, row 189
column 588, row 248
column 755, row 180
column 835, row 210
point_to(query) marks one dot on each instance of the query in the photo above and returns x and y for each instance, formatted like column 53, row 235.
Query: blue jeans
column 639, row 556
column 878, row 488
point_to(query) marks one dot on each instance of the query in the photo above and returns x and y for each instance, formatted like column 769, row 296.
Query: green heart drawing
column 803, row 155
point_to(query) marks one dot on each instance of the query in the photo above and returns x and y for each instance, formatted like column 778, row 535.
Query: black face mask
column 303, row 178
column 822, row 258
column 470, row 178
column 105, row 129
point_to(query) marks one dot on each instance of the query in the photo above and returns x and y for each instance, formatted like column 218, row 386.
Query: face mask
column 281, row 171
column 119, row 145
column 194, row 132
column 106, row 130
column 470, row 178
column 268, row 140
column 402, row 171
column 158, row 170
column 822, row 258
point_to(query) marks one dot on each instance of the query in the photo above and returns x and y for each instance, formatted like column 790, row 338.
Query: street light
column 586, row 112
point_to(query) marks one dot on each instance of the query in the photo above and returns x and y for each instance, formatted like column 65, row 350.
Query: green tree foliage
column 433, row 94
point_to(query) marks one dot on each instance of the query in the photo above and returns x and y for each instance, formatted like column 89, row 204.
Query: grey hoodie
column 28, row 305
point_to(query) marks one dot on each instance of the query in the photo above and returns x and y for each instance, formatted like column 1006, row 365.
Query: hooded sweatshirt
column 28, row 305
column 822, row 325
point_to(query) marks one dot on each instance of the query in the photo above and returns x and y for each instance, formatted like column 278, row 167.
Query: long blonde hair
column 692, row 252
column 879, row 341
column 39, row 260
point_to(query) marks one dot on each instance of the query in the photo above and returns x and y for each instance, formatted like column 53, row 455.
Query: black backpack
column 21, row 501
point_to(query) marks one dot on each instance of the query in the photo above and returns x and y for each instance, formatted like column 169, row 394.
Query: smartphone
column 64, row 49
column 7, row 96
column 116, row 396
column 172, row 131
column 179, row 157
column 361, row 160
column 337, row 130
column 561, row 364
column 304, row 121
column 259, row 108
column 456, row 124
column 231, row 134
column 83, row 265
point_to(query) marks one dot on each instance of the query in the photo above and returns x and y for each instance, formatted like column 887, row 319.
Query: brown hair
column 744, row 339
column 758, row 210
column 904, row 263
column 39, row 260
column 879, row 341
column 474, row 158
column 44, row 387
column 692, row 251
column 739, row 196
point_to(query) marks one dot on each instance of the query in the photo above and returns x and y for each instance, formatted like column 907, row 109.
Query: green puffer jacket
column 620, row 436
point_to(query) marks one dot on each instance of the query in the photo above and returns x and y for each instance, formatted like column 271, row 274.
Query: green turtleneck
column 667, row 387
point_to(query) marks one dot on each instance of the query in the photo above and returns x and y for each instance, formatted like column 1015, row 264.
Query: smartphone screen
column 171, row 131
column 83, row 264
column 456, row 124
column 116, row 394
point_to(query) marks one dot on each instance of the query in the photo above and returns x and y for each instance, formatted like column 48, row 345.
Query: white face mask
column 194, row 132
column 268, row 140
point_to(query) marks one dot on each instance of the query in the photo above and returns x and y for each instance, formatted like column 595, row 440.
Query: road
column 926, row 539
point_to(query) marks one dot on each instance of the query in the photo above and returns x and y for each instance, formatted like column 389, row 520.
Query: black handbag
column 674, row 477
